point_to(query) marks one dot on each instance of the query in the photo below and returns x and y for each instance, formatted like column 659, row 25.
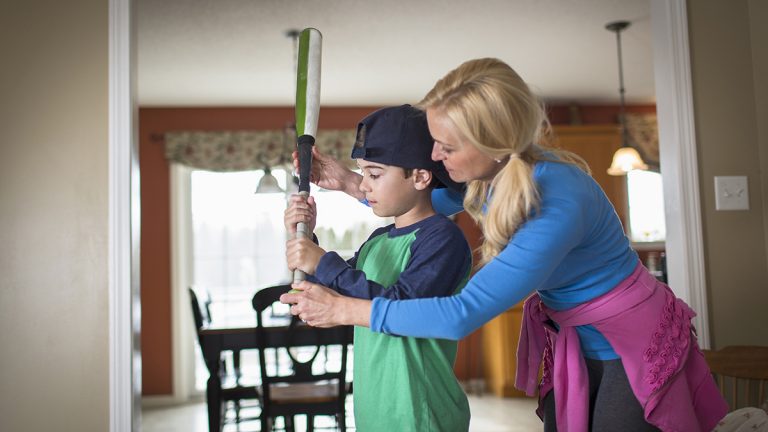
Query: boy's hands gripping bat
column 307, row 113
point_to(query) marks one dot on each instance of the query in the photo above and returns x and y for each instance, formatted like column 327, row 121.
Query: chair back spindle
column 741, row 373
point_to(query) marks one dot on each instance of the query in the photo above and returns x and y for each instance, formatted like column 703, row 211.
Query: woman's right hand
column 320, row 306
column 300, row 209
column 328, row 173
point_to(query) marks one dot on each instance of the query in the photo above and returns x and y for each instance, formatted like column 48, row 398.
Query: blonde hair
column 495, row 111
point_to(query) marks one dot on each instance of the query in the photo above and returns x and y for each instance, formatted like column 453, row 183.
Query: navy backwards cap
column 399, row 136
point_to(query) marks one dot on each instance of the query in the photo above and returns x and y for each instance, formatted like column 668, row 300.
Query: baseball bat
column 307, row 113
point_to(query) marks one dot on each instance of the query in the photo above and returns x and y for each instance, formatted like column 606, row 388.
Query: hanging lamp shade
column 268, row 183
column 626, row 158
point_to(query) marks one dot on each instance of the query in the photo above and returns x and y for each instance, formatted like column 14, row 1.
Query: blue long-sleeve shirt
column 572, row 251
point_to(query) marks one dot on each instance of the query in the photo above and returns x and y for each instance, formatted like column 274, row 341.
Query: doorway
column 684, row 237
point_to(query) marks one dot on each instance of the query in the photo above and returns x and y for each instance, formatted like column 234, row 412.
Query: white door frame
column 685, row 258
column 124, row 224
column 679, row 163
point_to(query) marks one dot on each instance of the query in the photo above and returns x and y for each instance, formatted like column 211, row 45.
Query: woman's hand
column 329, row 174
column 300, row 210
column 303, row 254
column 320, row 306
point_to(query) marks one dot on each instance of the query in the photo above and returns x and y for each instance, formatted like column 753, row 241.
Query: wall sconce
column 626, row 158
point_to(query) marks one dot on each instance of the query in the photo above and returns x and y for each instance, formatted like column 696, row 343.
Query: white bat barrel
column 314, row 54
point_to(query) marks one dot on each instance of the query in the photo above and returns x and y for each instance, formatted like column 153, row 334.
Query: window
column 646, row 207
column 238, row 239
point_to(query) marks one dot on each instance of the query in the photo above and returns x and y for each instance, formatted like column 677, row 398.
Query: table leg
column 213, row 389
column 213, row 396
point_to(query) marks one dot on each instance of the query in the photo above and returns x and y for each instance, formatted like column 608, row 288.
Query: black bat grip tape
column 305, row 143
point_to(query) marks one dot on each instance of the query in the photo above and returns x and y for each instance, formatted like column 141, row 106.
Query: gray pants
column 612, row 405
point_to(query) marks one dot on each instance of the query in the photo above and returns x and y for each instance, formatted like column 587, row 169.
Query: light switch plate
column 731, row 193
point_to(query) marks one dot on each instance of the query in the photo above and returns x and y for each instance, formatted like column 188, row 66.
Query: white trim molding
column 183, row 331
column 679, row 163
column 124, row 217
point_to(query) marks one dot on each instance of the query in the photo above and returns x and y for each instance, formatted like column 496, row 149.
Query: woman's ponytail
column 514, row 199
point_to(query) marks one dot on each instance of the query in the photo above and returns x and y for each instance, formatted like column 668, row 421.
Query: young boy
column 401, row 384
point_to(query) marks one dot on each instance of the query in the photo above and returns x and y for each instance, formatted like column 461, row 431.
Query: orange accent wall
column 469, row 364
column 156, row 343
column 155, row 261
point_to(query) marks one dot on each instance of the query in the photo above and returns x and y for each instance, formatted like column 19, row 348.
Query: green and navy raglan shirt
column 403, row 383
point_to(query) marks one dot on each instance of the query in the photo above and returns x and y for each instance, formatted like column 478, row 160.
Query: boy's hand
column 300, row 210
column 303, row 254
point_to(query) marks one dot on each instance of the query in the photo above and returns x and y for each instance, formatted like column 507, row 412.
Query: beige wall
column 728, row 53
column 758, row 10
column 53, row 216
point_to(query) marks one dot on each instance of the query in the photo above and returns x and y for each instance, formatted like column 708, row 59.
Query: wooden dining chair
column 234, row 387
column 741, row 373
column 314, row 381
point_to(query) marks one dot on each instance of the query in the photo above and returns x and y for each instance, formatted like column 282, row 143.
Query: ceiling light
column 268, row 183
column 626, row 158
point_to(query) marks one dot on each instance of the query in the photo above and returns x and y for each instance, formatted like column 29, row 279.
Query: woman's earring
column 497, row 160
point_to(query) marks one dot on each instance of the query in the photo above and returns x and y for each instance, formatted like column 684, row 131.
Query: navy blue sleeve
column 440, row 260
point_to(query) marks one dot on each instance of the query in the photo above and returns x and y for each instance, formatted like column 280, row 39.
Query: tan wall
column 727, row 50
column 53, row 216
column 758, row 10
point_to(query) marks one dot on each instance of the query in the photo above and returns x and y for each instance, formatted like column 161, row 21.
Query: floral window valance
column 249, row 150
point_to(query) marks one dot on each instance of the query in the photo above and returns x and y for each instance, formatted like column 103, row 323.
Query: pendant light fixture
column 626, row 158
column 268, row 183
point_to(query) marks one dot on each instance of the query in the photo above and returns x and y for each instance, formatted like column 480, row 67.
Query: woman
column 618, row 348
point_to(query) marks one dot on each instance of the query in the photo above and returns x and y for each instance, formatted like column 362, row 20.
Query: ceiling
column 384, row 52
